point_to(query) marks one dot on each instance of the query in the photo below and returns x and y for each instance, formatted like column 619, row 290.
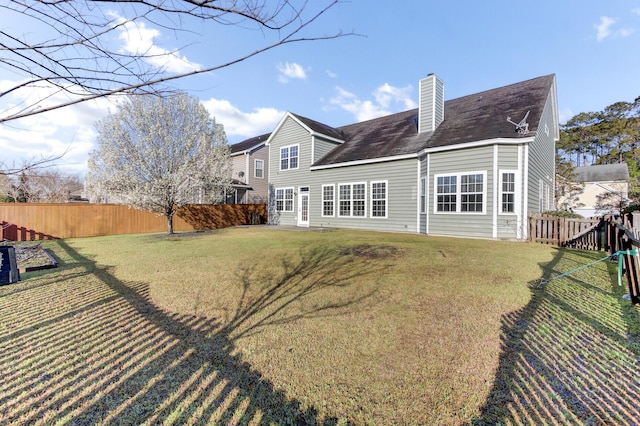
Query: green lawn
column 260, row 326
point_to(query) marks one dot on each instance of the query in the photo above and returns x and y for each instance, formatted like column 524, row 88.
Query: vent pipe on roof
column 431, row 104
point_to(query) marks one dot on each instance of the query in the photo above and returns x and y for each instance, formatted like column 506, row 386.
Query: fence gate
column 585, row 234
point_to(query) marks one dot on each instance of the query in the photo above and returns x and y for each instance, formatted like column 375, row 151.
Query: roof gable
column 248, row 144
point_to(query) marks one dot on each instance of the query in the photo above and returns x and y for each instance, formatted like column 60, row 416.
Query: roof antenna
column 522, row 127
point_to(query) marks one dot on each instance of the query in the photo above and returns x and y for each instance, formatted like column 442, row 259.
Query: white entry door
column 303, row 206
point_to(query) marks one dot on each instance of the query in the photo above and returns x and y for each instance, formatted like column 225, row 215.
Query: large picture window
column 289, row 157
column 352, row 199
column 379, row 199
column 460, row 193
column 507, row 192
column 284, row 199
column 328, row 200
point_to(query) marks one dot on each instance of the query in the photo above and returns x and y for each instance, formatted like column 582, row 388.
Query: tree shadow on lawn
column 110, row 355
column 571, row 356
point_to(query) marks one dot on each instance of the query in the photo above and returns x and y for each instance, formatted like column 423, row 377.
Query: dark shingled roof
column 476, row 117
column 602, row 173
column 249, row 143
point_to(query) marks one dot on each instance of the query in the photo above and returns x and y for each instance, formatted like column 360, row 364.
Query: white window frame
column 256, row 168
column 502, row 192
column 385, row 199
column 284, row 198
column 423, row 195
column 458, row 194
column 332, row 201
column 289, row 157
column 351, row 200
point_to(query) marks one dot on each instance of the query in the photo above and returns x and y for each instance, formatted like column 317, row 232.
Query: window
column 508, row 192
column 284, row 199
column 460, row 193
column 446, row 193
column 471, row 193
column 328, row 200
column 379, row 199
column 258, row 170
column 289, row 157
column 423, row 195
column 352, row 199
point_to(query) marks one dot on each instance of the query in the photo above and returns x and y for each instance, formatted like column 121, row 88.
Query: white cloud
column 69, row 130
column 386, row 97
column 239, row 123
column 386, row 94
column 605, row 29
column 140, row 40
column 290, row 71
column 331, row 74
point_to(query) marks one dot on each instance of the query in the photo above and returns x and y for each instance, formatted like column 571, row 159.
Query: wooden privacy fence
column 621, row 238
column 618, row 236
column 35, row 221
column 563, row 231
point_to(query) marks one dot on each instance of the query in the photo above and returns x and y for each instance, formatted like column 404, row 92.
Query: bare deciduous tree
column 41, row 186
column 74, row 51
column 159, row 154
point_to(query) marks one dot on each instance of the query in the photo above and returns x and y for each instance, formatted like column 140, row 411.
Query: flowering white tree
column 159, row 154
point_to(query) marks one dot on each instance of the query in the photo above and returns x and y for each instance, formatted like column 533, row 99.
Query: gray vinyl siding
column 239, row 164
column 461, row 161
column 542, row 159
column 290, row 133
column 322, row 147
column 260, row 192
column 402, row 193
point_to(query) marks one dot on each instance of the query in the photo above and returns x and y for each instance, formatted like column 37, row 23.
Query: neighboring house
column 475, row 166
column 250, row 175
column 604, row 189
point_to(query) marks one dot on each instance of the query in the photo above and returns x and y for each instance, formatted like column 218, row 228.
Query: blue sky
column 593, row 47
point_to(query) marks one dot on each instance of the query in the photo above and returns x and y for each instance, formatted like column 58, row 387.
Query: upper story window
column 258, row 170
column 289, row 157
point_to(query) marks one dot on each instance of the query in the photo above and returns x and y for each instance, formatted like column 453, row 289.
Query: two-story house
column 250, row 171
column 474, row 166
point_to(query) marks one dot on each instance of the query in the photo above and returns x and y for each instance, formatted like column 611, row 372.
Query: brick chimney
column 431, row 104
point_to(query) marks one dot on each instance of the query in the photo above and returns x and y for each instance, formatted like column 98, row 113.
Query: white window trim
column 255, row 168
column 284, row 199
column 289, row 157
column 351, row 184
column 422, row 198
column 515, row 193
column 333, row 200
column 386, row 199
column 458, row 210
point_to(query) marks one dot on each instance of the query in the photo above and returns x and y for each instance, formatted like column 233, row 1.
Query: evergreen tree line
column 604, row 137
